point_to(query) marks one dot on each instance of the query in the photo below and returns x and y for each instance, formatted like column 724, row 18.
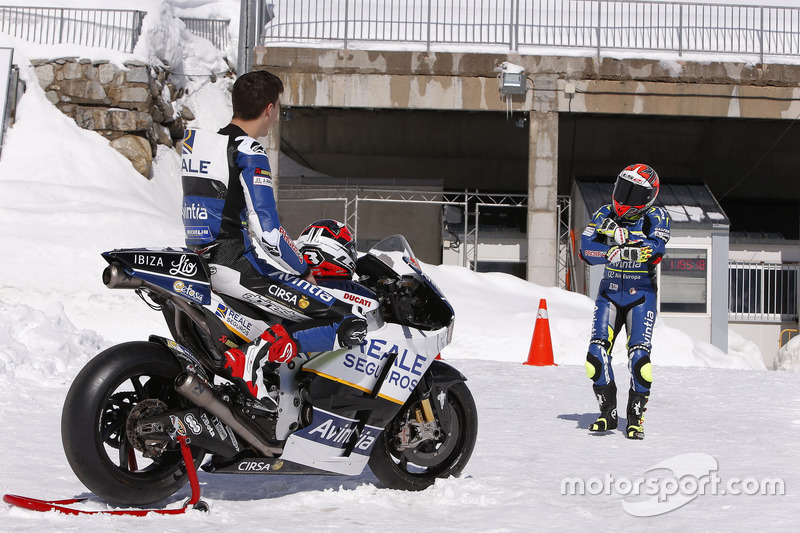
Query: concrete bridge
column 726, row 123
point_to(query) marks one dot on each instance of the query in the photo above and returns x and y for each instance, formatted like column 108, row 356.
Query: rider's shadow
column 583, row 421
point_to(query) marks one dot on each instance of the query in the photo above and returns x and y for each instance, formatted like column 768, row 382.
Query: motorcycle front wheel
column 119, row 384
column 418, row 467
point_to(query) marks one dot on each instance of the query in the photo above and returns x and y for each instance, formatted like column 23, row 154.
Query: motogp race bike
column 136, row 407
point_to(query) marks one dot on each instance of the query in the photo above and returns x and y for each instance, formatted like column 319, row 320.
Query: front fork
column 426, row 420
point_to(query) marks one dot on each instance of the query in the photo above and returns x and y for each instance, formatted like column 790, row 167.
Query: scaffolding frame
column 472, row 203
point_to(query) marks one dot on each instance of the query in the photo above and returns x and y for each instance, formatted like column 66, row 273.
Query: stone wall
column 130, row 106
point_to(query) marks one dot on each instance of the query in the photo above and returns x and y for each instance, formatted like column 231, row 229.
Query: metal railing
column 593, row 24
column 214, row 30
column 763, row 292
column 117, row 29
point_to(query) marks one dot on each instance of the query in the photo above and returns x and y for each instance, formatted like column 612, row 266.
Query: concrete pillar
column 543, row 198
column 719, row 286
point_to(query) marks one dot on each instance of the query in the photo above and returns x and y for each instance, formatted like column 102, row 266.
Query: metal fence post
column 242, row 62
column 464, row 260
column 137, row 29
column 429, row 25
column 761, row 36
column 515, row 35
column 355, row 216
column 599, row 24
column 61, row 26
column 680, row 30
column 346, row 20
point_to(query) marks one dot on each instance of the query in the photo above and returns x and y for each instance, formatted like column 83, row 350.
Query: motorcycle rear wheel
column 418, row 468
column 93, row 424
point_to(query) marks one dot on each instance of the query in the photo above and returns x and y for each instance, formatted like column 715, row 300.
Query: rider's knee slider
column 641, row 368
column 594, row 367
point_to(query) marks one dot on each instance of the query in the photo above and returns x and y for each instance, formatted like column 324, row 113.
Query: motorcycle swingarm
column 202, row 429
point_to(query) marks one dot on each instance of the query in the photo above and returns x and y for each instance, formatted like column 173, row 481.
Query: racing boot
column 607, row 399
column 636, row 408
column 244, row 364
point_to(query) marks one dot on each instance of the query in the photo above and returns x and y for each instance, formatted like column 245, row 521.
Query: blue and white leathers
column 627, row 295
column 228, row 192
column 228, row 208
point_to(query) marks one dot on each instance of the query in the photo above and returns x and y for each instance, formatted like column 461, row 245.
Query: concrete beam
column 468, row 82
column 681, row 99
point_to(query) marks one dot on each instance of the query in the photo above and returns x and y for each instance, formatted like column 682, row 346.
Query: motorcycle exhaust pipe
column 116, row 278
column 201, row 393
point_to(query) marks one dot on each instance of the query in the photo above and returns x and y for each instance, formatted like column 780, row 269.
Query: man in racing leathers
column 629, row 237
column 228, row 207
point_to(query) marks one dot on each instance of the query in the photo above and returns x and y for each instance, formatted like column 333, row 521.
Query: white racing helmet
column 329, row 249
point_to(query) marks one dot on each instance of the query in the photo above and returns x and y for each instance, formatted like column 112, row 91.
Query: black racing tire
column 396, row 468
column 93, row 424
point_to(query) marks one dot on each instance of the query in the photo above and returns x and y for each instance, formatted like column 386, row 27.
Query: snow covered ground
column 718, row 423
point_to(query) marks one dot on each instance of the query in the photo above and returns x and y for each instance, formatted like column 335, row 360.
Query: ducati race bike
column 389, row 403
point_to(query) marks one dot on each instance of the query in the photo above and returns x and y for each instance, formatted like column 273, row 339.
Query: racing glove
column 611, row 229
column 634, row 251
column 352, row 332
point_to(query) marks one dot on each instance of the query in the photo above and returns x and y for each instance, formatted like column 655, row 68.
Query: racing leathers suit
column 627, row 293
column 228, row 207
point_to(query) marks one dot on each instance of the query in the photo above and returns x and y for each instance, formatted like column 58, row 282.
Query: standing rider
column 629, row 237
column 229, row 207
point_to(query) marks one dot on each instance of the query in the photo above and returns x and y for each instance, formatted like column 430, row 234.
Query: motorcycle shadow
column 249, row 487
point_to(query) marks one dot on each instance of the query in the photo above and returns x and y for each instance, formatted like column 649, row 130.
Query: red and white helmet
column 329, row 249
column 635, row 190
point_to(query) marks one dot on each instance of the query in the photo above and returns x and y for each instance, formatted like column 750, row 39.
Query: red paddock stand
column 62, row 505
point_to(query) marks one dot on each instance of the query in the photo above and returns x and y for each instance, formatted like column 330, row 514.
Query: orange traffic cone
column 541, row 352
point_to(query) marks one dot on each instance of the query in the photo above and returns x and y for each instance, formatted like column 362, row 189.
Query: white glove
column 611, row 229
column 630, row 252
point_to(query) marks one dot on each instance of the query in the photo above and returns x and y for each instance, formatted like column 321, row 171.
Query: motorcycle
column 389, row 403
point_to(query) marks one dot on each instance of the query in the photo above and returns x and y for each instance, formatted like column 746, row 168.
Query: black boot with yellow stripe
column 607, row 399
column 636, row 408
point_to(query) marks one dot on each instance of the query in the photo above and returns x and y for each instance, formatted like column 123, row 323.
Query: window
column 684, row 281
column 762, row 291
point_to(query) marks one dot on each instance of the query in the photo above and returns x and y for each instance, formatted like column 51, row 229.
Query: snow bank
column 788, row 357
column 43, row 346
